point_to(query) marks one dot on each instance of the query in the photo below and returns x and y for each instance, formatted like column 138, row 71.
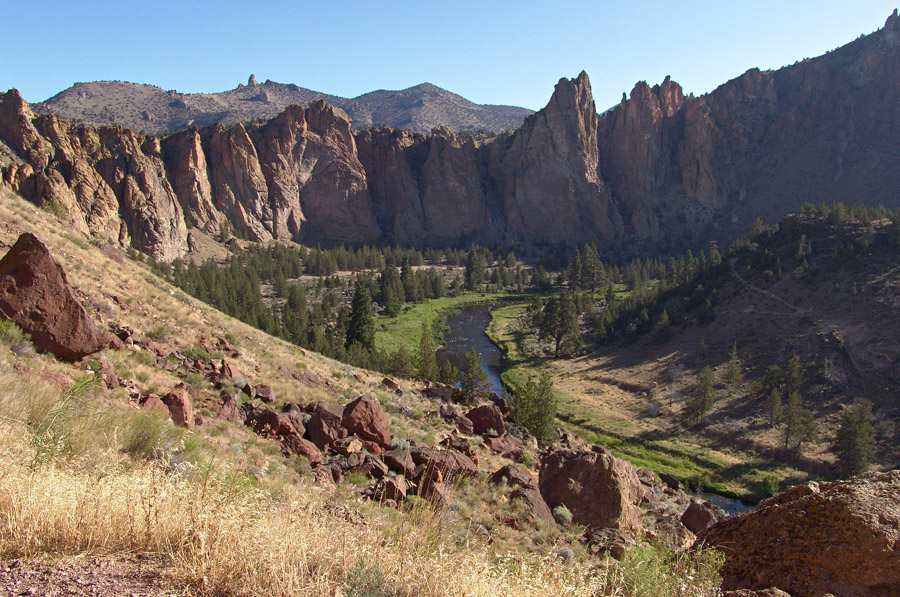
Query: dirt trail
column 98, row 577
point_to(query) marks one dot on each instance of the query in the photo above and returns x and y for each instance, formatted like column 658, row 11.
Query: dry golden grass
column 83, row 473
column 224, row 535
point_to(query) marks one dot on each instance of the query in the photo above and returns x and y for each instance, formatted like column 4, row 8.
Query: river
column 467, row 330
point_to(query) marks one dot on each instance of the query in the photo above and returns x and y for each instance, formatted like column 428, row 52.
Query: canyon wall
column 656, row 165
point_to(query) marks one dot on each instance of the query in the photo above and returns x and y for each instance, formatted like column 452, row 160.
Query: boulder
column 671, row 482
column 391, row 384
column 699, row 516
column 515, row 476
column 526, row 490
column 266, row 421
column 365, row 417
column 294, row 415
column 400, row 461
column 464, row 425
column 180, row 409
column 392, row 488
column 347, row 445
column 485, row 418
column 152, row 403
column 599, row 489
column 265, row 394
column 449, row 462
column 841, row 538
column 461, row 444
column 325, row 424
column 36, row 296
column 294, row 444
column 229, row 410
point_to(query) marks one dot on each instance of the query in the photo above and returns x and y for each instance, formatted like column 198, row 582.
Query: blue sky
column 490, row 52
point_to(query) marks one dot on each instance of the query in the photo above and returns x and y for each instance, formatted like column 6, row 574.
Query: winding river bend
column 467, row 331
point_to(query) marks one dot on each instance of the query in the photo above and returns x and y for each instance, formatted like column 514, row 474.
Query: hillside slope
column 147, row 108
column 819, row 289
column 95, row 475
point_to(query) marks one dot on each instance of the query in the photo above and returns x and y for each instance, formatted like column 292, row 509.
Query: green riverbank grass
column 691, row 463
column 405, row 330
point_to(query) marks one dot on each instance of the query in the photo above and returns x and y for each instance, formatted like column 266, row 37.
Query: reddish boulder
column 325, row 424
column 400, row 461
column 294, row 415
column 485, row 418
column 365, row 417
column 265, row 394
column 527, row 491
column 464, row 425
column 152, row 403
column 449, row 462
column 229, row 410
column 179, row 403
column 347, row 445
column 392, row 488
column 266, row 421
column 495, row 444
column 599, row 489
column 36, row 296
column 840, row 538
column 294, row 444
column 229, row 371
column 699, row 516
column 391, row 384
column 515, row 476
column 109, row 378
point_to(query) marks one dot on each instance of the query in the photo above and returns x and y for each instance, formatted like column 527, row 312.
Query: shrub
column 18, row 341
column 769, row 486
column 365, row 581
column 158, row 332
column 562, row 515
column 145, row 433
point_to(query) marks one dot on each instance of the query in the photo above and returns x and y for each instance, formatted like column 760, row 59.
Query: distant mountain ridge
column 148, row 108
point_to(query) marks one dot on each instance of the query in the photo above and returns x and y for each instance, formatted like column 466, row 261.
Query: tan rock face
column 840, row 538
column 549, row 182
column 657, row 163
column 599, row 489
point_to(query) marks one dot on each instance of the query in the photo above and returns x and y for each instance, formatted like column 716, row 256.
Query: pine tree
column 534, row 407
column 428, row 369
column 662, row 331
column 361, row 326
column 698, row 405
column 773, row 406
column 793, row 377
column 855, row 441
column 733, row 372
column 475, row 269
column 558, row 320
column 799, row 422
column 473, row 379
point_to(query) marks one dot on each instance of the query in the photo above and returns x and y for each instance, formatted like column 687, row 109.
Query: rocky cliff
column 655, row 166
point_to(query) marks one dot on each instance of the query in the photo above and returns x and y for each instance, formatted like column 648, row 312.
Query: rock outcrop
column 658, row 163
column 365, row 417
column 840, row 538
column 599, row 489
column 36, row 296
